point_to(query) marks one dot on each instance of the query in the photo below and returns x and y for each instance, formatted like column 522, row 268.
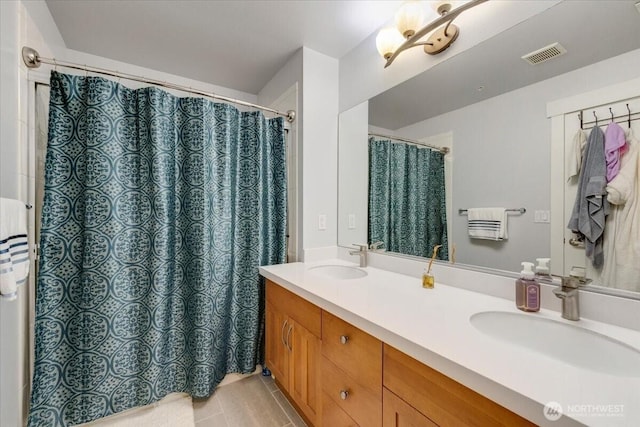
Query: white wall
column 10, row 108
column 502, row 158
column 362, row 72
column 317, row 129
column 287, row 76
column 319, row 151
column 291, row 74
column 98, row 61
column 353, row 176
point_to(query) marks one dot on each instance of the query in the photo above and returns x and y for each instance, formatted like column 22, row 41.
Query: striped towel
column 14, row 249
column 487, row 223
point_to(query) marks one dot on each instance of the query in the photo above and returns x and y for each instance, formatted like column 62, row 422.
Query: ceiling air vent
column 544, row 54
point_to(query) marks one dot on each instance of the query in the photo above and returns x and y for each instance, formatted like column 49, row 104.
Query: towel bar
column 519, row 210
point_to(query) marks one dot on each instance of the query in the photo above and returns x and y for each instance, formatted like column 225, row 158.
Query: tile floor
column 255, row 401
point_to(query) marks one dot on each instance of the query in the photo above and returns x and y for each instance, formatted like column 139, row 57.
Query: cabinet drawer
column 445, row 401
column 353, row 350
column 397, row 413
column 362, row 405
column 302, row 311
column 333, row 415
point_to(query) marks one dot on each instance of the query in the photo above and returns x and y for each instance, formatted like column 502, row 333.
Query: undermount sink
column 574, row 345
column 342, row 272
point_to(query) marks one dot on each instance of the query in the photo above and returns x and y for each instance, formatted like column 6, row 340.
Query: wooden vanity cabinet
column 292, row 348
column 337, row 375
column 439, row 399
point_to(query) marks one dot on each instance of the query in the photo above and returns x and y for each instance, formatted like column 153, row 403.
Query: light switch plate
column 351, row 221
column 542, row 217
column 322, row 222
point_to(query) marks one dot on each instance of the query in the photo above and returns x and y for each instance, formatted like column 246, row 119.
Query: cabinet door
column 397, row 413
column 276, row 351
column 305, row 371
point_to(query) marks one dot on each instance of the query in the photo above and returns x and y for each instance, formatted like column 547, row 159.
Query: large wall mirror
column 489, row 107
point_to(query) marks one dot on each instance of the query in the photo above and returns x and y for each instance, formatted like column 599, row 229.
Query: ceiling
column 236, row 44
column 241, row 44
column 591, row 31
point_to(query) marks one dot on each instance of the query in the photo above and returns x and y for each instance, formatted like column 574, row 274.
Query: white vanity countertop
column 432, row 325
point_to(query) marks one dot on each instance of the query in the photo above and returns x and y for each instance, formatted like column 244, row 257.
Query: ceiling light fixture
column 391, row 41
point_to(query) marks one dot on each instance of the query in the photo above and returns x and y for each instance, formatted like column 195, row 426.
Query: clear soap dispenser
column 527, row 289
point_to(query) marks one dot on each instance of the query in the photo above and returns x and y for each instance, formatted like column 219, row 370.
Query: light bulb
column 387, row 41
column 409, row 18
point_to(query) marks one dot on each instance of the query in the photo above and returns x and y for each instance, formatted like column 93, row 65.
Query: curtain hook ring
column 629, row 117
column 596, row 117
column 611, row 111
column 55, row 65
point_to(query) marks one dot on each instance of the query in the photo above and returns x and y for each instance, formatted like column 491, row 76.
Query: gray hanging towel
column 591, row 205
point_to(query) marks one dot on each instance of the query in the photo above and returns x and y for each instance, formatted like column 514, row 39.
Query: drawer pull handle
column 344, row 394
column 344, row 339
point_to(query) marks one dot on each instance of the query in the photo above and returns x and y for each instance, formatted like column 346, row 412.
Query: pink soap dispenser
column 527, row 289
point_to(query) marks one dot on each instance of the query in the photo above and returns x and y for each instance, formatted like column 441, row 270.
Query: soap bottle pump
column 527, row 289
column 542, row 270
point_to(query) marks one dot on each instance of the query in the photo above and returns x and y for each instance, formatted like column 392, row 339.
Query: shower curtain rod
column 443, row 150
column 32, row 59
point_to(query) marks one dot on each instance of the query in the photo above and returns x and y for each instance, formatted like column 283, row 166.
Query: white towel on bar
column 14, row 249
column 487, row 223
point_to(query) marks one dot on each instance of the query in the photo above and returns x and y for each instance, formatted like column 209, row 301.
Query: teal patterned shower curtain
column 157, row 212
column 407, row 207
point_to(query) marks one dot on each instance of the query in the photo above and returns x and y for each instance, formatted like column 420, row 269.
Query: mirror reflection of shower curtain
column 407, row 208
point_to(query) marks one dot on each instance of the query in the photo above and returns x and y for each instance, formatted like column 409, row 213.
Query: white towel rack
column 519, row 210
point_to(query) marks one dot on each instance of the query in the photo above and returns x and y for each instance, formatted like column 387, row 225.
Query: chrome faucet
column 568, row 292
column 362, row 252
